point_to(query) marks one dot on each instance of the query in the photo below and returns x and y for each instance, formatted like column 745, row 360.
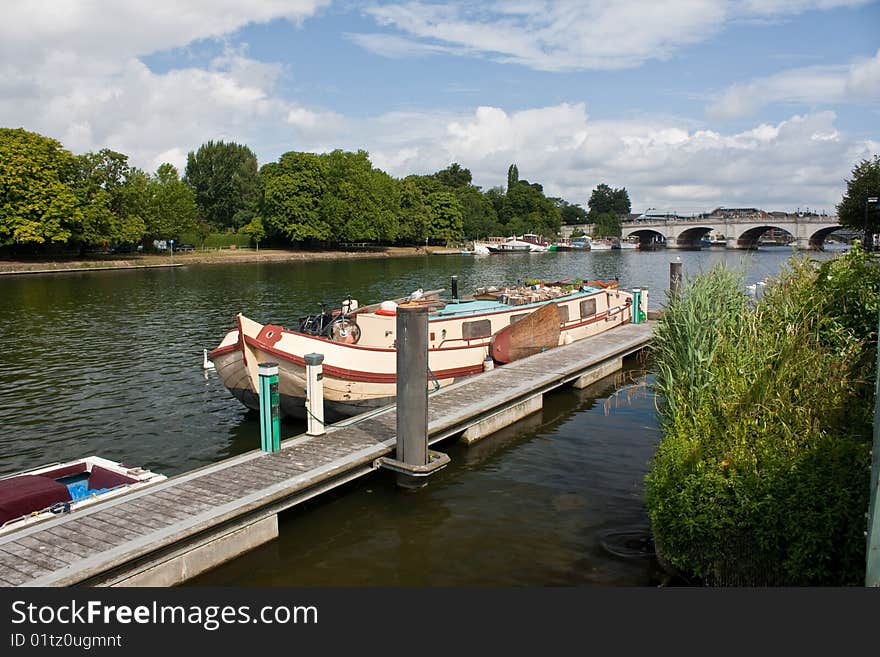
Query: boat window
column 588, row 307
column 478, row 329
column 515, row 318
column 563, row 313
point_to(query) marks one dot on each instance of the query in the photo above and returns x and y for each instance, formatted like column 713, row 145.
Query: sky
column 688, row 104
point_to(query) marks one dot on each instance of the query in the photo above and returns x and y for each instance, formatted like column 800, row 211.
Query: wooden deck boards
column 73, row 548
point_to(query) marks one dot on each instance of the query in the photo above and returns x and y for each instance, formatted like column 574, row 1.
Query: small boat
column 510, row 246
column 33, row 496
column 629, row 243
column 359, row 342
column 601, row 245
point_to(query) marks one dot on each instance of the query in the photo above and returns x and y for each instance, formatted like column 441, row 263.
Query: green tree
column 854, row 211
column 454, row 176
column 526, row 210
column 112, row 209
column 172, row 205
column 414, row 218
column 361, row 203
column 607, row 224
column 571, row 213
column 254, row 229
column 512, row 177
column 478, row 217
column 38, row 202
column 292, row 191
column 604, row 200
column 226, row 182
column 445, row 213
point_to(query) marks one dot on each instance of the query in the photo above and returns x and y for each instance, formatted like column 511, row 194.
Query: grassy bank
column 200, row 257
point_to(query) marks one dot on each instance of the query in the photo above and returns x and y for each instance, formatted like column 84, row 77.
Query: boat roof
column 466, row 307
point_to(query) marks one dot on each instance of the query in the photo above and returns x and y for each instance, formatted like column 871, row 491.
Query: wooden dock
column 175, row 530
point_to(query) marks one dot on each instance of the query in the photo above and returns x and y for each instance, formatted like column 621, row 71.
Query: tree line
column 49, row 196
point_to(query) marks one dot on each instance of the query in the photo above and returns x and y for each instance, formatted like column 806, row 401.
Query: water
column 110, row 363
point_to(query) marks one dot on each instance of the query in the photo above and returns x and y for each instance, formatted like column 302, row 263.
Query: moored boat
column 510, row 246
column 32, row 496
column 358, row 343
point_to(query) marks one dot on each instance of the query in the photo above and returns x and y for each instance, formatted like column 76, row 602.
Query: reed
column 761, row 477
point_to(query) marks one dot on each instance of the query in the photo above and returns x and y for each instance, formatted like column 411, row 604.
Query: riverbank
column 200, row 257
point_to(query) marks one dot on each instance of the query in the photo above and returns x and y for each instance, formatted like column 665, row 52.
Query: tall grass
column 762, row 474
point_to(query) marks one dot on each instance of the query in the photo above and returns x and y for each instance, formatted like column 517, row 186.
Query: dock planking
column 92, row 546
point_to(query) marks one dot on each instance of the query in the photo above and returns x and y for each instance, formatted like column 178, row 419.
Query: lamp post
column 869, row 237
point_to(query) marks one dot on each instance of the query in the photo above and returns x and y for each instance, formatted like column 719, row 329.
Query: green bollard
column 270, row 410
column 636, row 305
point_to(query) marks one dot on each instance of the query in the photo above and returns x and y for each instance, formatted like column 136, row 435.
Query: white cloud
column 71, row 69
column 800, row 162
column 815, row 85
column 563, row 36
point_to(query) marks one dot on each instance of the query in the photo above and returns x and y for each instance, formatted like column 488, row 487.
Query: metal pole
column 872, row 569
column 867, row 242
column 412, row 390
column 315, row 394
column 270, row 410
column 455, row 289
column 674, row 277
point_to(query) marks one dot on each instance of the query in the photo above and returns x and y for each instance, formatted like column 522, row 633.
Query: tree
column 478, row 217
column 605, row 200
column 571, row 214
column 445, row 212
column 607, row 224
column 292, row 191
column 854, row 211
column 361, row 203
column 172, row 205
column 526, row 210
column 413, row 218
column 226, row 182
column 512, row 176
column 38, row 202
column 254, row 229
column 454, row 176
column 113, row 207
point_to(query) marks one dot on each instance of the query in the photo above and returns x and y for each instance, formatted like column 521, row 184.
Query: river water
column 110, row 363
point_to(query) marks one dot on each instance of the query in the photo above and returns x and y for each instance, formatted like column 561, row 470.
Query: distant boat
column 629, row 243
column 601, row 245
column 510, row 246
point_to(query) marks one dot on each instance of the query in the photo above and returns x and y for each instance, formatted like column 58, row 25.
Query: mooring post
column 413, row 460
column 315, row 394
column 270, row 408
column 412, row 388
column 674, row 277
column 636, row 305
column 455, row 289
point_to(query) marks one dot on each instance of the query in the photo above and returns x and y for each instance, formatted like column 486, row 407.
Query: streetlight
column 869, row 238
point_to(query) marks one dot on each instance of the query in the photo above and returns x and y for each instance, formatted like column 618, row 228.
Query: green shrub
column 762, row 474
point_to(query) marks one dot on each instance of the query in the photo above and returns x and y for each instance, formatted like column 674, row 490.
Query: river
column 110, row 363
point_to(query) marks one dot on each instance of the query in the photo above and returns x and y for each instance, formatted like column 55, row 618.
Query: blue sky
column 690, row 105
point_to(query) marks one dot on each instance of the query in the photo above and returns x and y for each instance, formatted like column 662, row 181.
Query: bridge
column 740, row 232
